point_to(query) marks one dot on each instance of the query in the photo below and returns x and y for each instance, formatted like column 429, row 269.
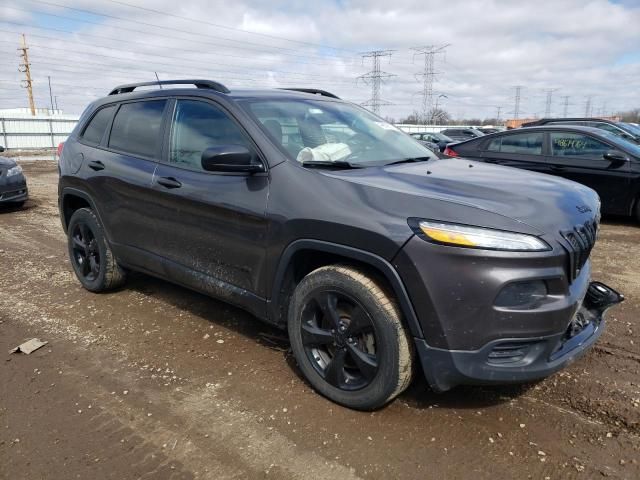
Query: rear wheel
column 90, row 254
column 637, row 210
column 348, row 338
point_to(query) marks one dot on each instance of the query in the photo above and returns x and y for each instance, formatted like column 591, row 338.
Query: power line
column 191, row 64
column 428, row 73
column 164, row 28
column 205, row 22
column 374, row 78
column 25, row 68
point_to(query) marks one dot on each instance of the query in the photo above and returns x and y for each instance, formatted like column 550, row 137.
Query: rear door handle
column 169, row 182
column 96, row 165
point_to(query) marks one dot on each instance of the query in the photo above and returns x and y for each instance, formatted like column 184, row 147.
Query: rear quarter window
column 521, row 143
column 137, row 128
column 96, row 127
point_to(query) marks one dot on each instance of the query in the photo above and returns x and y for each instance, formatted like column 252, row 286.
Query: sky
column 586, row 50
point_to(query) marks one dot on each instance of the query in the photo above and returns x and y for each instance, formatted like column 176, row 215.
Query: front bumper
column 517, row 360
column 13, row 190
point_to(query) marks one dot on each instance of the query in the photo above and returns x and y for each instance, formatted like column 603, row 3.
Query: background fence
column 34, row 133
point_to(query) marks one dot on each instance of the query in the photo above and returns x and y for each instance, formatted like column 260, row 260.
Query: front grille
column 579, row 243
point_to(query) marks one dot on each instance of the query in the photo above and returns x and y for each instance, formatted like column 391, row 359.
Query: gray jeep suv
column 323, row 219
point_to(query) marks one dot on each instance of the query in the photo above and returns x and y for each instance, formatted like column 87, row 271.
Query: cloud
column 579, row 48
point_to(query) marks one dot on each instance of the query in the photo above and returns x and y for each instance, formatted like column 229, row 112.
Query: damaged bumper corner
column 520, row 360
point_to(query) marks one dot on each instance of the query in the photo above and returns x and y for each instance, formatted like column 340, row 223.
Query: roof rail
column 210, row 84
column 314, row 91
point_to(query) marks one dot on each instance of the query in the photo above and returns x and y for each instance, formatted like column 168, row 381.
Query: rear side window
column 564, row 144
column 136, row 128
column 523, row 143
column 94, row 131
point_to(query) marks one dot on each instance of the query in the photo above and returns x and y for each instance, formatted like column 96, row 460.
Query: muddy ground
column 154, row 381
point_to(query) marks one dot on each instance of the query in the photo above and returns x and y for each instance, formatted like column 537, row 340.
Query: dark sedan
column 462, row 134
column 591, row 156
column 434, row 138
column 13, row 185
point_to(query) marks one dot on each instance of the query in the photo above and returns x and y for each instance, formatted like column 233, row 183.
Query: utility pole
column 428, row 74
column 516, row 106
column 375, row 78
column 565, row 109
column 25, row 68
column 547, row 108
column 50, row 94
column 498, row 114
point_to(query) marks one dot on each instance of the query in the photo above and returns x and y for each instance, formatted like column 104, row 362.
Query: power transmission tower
column 565, row 109
column 428, row 74
column 547, row 108
column 375, row 78
column 25, row 68
column 516, row 105
column 498, row 109
column 587, row 107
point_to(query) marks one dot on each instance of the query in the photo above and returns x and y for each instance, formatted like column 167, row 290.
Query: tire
column 636, row 210
column 90, row 255
column 348, row 338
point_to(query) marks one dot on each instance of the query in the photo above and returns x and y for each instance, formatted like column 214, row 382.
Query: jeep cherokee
column 321, row 218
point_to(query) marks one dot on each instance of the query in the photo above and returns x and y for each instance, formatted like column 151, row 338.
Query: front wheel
column 348, row 338
column 90, row 254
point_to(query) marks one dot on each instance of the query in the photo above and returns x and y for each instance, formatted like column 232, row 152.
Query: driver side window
column 197, row 126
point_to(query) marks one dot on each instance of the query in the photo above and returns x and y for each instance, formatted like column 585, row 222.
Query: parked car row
column 607, row 162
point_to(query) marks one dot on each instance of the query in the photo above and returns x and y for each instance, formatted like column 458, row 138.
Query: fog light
column 522, row 295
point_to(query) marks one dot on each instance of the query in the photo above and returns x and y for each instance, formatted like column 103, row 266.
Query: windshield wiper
column 409, row 160
column 337, row 164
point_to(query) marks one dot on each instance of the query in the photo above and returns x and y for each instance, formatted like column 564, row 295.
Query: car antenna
column 158, row 79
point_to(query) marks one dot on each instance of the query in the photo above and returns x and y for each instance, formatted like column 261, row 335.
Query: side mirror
column 230, row 158
column 1, row 149
column 615, row 156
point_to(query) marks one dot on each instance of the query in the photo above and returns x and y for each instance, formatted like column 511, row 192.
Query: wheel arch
column 303, row 256
column 73, row 199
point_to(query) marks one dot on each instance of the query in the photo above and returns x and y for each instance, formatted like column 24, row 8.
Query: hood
column 7, row 162
column 536, row 202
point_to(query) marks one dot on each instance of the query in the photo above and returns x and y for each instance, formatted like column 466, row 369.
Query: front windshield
column 625, row 144
column 317, row 131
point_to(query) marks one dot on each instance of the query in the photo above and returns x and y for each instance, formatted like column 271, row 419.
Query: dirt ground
column 155, row 381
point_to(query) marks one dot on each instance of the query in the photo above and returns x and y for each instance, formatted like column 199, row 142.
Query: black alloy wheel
column 86, row 254
column 90, row 254
column 339, row 339
column 348, row 337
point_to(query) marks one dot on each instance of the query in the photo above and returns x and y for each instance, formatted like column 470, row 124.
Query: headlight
column 14, row 171
column 476, row 237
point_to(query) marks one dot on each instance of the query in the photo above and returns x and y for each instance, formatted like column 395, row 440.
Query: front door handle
column 96, row 165
column 557, row 168
column 169, row 182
